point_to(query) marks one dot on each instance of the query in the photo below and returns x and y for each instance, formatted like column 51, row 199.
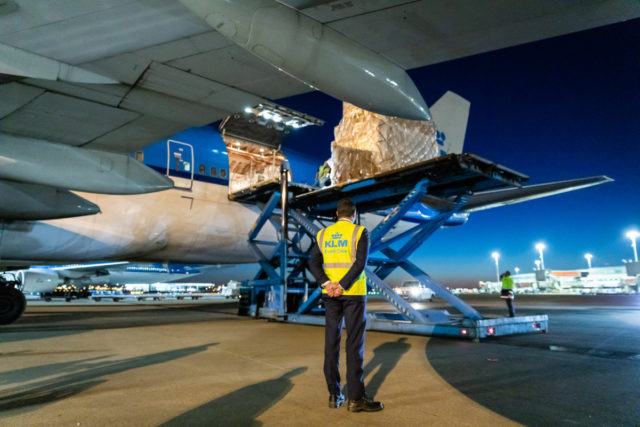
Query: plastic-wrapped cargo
column 367, row 143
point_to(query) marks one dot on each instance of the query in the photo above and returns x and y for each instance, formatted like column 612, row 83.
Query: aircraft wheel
column 12, row 305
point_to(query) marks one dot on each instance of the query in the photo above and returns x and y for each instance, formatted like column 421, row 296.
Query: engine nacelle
column 35, row 280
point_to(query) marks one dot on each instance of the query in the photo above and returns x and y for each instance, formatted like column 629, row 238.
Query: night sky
column 562, row 108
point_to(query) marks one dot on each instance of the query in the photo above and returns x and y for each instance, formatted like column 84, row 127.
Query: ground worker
column 507, row 292
column 323, row 177
column 343, row 249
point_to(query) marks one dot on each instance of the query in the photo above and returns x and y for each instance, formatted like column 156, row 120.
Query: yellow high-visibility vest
column 338, row 244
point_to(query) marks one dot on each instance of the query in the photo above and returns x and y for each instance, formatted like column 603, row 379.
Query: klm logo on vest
column 335, row 243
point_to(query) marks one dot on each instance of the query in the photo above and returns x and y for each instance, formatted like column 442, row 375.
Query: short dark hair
column 346, row 208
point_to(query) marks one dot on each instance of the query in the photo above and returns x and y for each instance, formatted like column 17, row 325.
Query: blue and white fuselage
column 193, row 223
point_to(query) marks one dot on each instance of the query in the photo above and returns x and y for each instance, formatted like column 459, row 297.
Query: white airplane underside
column 86, row 84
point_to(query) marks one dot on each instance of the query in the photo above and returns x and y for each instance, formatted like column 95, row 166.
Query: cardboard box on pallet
column 367, row 143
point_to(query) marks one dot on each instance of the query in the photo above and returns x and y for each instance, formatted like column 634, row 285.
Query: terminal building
column 623, row 279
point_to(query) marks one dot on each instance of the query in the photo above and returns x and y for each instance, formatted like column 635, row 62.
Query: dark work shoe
column 365, row 404
column 335, row 400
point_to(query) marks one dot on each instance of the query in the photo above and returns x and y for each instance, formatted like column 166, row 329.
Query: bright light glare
column 588, row 256
column 248, row 110
column 495, row 255
column 633, row 234
column 541, row 246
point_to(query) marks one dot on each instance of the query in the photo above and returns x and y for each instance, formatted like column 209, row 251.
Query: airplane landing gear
column 12, row 304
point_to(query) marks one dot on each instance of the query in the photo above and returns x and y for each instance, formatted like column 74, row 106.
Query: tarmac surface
column 197, row 363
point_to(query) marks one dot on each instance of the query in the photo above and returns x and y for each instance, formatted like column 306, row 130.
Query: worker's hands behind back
column 334, row 289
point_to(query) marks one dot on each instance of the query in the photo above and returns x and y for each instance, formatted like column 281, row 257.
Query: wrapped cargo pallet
column 367, row 143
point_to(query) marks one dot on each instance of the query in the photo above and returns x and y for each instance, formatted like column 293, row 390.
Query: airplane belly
column 200, row 226
column 212, row 229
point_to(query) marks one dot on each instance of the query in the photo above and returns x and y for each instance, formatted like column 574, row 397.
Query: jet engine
column 36, row 280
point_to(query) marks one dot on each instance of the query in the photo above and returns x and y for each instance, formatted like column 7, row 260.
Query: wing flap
column 15, row 95
column 64, row 119
column 136, row 134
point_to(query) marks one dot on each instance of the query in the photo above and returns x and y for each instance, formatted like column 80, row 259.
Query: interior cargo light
column 491, row 331
column 536, row 325
column 463, row 331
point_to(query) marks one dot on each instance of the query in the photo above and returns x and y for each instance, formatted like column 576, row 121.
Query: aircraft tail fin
column 450, row 114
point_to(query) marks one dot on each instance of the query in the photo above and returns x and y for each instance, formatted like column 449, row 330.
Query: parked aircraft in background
column 45, row 278
column 74, row 111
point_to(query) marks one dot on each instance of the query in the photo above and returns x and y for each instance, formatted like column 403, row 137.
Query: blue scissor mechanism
column 284, row 288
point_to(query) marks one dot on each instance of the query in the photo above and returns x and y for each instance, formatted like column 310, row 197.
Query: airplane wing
column 173, row 70
column 418, row 33
column 85, row 84
column 82, row 86
column 493, row 199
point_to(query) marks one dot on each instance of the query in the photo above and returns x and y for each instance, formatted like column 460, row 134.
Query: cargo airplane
column 89, row 89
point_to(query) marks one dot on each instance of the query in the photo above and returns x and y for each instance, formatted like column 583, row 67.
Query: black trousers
column 354, row 313
column 507, row 295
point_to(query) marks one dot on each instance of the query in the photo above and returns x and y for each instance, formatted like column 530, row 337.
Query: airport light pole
column 537, row 264
column 517, row 269
column 588, row 257
column 496, row 256
column 541, row 247
column 633, row 235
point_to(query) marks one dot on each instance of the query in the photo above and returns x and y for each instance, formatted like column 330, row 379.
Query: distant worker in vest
column 323, row 176
column 507, row 292
column 343, row 248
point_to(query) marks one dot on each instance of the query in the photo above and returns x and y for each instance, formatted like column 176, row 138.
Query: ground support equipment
column 284, row 271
